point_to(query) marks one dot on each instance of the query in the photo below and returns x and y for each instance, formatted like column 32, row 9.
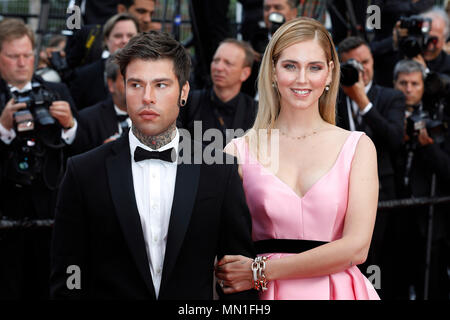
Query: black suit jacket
column 384, row 124
column 22, row 197
column 89, row 85
column 98, row 228
column 96, row 124
column 202, row 105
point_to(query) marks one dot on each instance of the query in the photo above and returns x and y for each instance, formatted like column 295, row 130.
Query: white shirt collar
column 27, row 87
column 119, row 112
column 134, row 143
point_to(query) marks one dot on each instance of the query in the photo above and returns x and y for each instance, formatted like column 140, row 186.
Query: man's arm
column 388, row 127
column 235, row 236
column 69, row 241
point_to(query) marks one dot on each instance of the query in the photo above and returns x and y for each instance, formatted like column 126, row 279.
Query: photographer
column 435, row 58
column 419, row 37
column 379, row 112
column 36, row 123
column 384, row 45
column 425, row 153
column 275, row 13
column 52, row 64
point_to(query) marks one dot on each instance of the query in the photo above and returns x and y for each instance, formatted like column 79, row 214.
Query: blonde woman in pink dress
column 313, row 194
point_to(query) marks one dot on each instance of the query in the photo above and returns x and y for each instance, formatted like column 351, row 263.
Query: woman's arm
column 332, row 257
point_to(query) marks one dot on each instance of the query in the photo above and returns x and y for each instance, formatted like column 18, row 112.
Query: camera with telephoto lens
column 350, row 72
column 417, row 39
column 276, row 19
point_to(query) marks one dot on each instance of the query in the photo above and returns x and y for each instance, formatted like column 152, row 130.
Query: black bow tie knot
column 122, row 117
column 166, row 155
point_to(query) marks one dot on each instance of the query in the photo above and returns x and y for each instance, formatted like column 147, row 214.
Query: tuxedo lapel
column 185, row 192
column 120, row 177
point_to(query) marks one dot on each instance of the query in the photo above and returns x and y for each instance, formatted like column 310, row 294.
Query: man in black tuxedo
column 106, row 120
column 380, row 113
column 134, row 223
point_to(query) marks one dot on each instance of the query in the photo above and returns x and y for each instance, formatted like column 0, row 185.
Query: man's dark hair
column 293, row 3
column 350, row 43
column 129, row 3
column 155, row 45
column 111, row 68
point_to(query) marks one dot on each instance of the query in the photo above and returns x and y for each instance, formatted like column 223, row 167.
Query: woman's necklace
column 314, row 132
column 299, row 137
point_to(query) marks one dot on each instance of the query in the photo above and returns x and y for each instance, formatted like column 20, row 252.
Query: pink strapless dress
column 279, row 213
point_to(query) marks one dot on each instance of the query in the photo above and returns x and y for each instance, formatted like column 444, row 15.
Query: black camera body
column 427, row 118
column 35, row 118
column 350, row 72
column 60, row 65
column 418, row 35
column 437, row 89
column 58, row 62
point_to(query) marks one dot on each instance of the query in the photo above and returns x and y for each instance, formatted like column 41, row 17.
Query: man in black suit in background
column 136, row 224
column 380, row 113
column 31, row 160
column 89, row 84
column 106, row 120
column 223, row 106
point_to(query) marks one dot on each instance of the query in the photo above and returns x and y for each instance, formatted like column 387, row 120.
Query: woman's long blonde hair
column 297, row 30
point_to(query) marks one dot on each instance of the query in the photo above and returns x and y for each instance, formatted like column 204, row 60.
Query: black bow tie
column 122, row 117
column 142, row 154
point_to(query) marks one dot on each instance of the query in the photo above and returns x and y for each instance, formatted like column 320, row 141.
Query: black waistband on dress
column 286, row 245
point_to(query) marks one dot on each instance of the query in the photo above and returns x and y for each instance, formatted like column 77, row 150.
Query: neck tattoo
column 158, row 141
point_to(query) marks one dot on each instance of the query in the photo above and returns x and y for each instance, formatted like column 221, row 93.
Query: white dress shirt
column 7, row 136
column 154, row 186
column 359, row 113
